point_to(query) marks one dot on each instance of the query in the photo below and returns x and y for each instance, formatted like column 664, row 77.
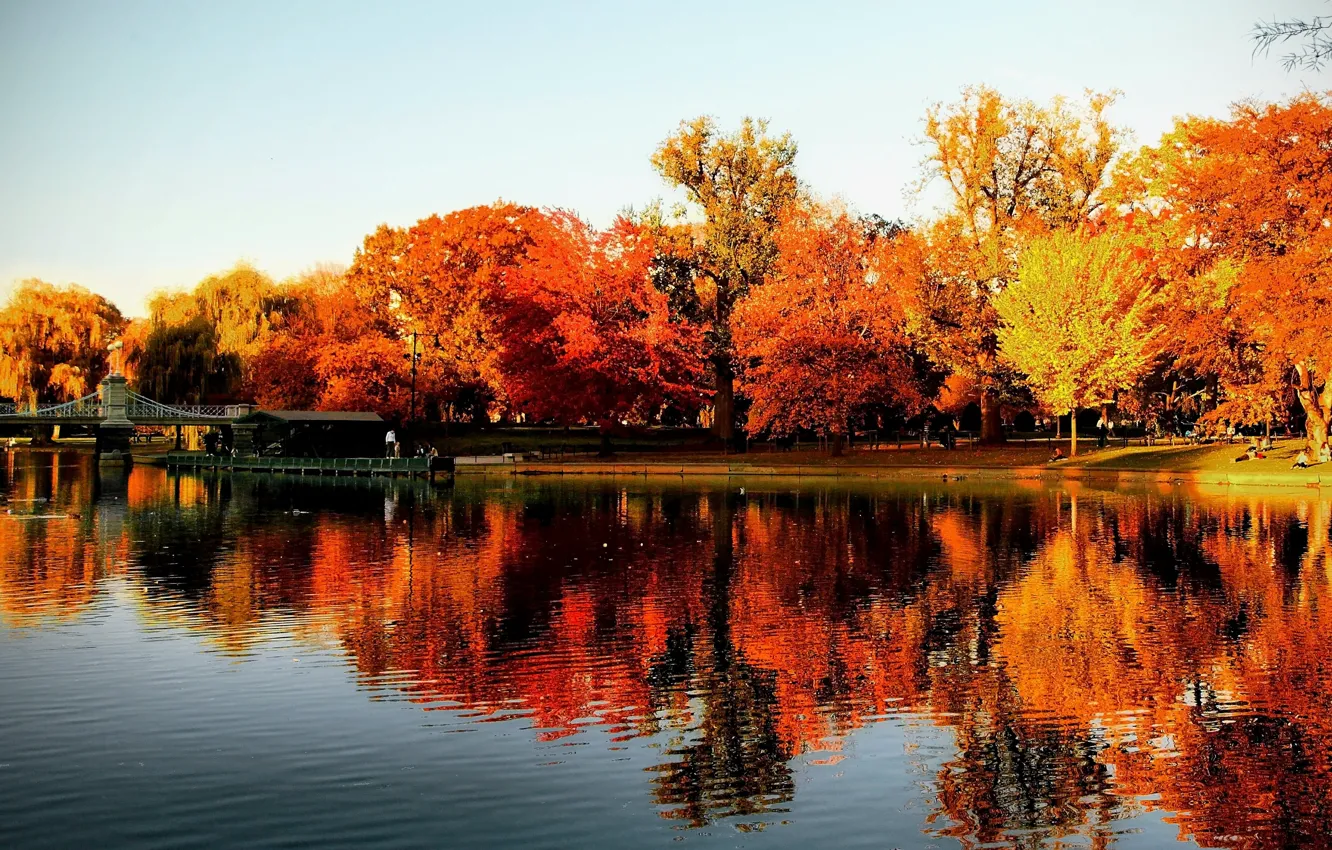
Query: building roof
column 358, row 417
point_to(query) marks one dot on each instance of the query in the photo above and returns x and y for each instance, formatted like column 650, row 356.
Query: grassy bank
column 1180, row 458
column 1213, row 464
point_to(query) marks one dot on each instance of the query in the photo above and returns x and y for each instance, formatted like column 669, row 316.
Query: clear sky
column 147, row 145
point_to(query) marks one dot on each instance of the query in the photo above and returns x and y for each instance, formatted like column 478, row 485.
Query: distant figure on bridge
column 390, row 444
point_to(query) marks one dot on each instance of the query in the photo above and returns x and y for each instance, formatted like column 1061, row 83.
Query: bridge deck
column 151, row 421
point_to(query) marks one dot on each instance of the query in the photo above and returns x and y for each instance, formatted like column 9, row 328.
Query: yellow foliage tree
column 1013, row 169
column 1076, row 320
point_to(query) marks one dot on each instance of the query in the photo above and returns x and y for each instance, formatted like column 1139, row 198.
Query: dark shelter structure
column 310, row 433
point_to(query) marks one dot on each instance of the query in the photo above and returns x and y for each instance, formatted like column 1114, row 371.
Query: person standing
column 390, row 443
column 1100, row 433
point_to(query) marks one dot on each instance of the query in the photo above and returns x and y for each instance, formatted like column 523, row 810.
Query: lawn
column 1177, row 458
column 1193, row 458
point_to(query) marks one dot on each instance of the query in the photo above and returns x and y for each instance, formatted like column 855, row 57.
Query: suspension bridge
column 113, row 411
column 139, row 410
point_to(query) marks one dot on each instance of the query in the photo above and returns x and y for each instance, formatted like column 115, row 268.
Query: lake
column 200, row 661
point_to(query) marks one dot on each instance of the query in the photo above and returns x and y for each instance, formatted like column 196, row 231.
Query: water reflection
column 1093, row 654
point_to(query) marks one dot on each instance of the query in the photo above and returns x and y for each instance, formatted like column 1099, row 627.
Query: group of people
column 947, row 436
column 1105, row 431
column 215, row 443
column 1302, row 459
column 393, row 448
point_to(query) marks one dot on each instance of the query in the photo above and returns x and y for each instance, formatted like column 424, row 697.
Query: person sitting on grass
column 1325, row 453
column 1058, row 454
column 1301, row 460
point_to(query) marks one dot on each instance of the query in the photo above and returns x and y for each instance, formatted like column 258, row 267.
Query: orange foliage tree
column 434, row 279
column 823, row 338
column 1255, row 192
column 334, row 351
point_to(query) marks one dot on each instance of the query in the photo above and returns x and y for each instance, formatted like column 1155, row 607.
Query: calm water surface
column 207, row 661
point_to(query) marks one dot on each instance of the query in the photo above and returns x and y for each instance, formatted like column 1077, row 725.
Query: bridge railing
column 138, row 407
column 86, row 407
column 142, row 407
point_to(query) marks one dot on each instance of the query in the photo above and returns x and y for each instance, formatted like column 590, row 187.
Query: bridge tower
column 115, row 430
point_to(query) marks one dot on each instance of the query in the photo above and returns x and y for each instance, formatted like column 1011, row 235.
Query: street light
column 411, row 413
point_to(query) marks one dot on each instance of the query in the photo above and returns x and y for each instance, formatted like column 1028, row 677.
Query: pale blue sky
column 150, row 144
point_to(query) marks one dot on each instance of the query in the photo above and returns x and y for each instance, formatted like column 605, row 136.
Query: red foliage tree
column 582, row 333
column 534, row 310
column 823, row 338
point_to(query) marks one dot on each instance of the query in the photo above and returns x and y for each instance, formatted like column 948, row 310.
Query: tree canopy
column 53, row 342
column 1075, row 322
column 1189, row 277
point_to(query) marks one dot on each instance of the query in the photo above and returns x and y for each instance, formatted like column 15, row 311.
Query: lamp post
column 411, row 414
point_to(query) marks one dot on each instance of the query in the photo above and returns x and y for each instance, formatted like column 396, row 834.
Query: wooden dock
column 411, row 466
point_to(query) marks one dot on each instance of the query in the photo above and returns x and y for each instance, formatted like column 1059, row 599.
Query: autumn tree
column 823, row 338
column 532, row 309
column 243, row 305
column 583, row 335
column 53, row 342
column 435, row 279
column 1013, row 170
column 740, row 184
column 182, row 363
column 1075, row 321
column 1255, row 192
column 284, row 372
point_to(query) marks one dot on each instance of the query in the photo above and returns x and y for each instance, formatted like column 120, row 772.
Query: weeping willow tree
column 243, row 305
column 53, row 342
column 183, row 364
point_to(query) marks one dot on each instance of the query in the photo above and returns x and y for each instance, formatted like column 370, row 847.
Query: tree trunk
column 1073, row 433
column 723, row 400
column 606, row 448
column 1317, row 407
column 992, row 428
column 837, row 439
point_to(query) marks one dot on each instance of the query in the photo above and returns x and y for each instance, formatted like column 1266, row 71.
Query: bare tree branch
column 1312, row 38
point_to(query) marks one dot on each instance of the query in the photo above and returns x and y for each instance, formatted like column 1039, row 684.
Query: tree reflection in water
column 1094, row 653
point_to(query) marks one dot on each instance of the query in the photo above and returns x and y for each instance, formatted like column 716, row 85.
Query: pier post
column 115, row 431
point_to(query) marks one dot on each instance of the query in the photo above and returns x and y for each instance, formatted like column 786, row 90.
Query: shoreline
column 1316, row 477
column 1312, row 478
